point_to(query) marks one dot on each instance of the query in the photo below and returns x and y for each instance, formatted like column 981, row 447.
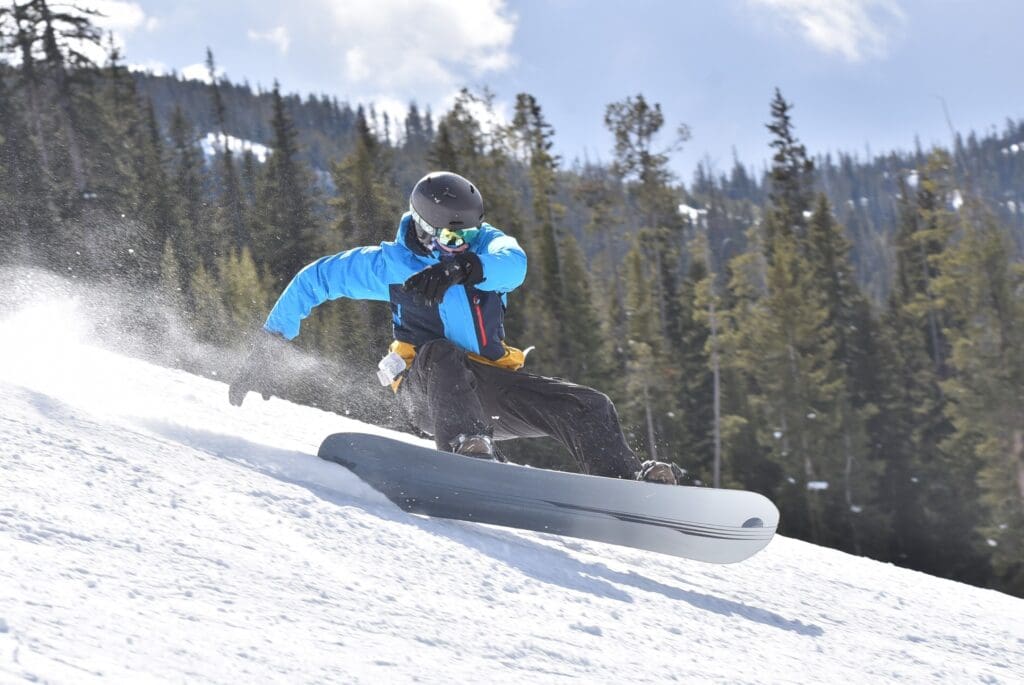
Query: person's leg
column 440, row 393
column 584, row 420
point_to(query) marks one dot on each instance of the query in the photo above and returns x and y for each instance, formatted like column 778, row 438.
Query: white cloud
column 417, row 49
column 199, row 72
column 117, row 19
column 119, row 16
column 154, row 67
column 277, row 36
column 855, row 29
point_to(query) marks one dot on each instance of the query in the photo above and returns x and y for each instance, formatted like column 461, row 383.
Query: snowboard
column 706, row 524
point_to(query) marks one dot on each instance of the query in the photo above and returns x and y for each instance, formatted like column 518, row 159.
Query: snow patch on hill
column 215, row 143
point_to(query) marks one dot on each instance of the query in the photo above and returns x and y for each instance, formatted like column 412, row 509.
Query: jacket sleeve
column 504, row 263
column 359, row 273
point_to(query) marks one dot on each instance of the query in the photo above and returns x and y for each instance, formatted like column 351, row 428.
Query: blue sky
column 860, row 72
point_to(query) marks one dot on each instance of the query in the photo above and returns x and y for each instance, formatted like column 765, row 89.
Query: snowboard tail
column 706, row 524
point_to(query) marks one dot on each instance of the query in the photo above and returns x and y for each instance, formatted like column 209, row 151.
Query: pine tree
column 585, row 350
column 210, row 319
column 115, row 130
column 466, row 146
column 851, row 330
column 231, row 209
column 286, row 230
column 443, row 154
column 367, row 211
column 27, row 219
column 643, row 348
column 49, row 42
column 645, row 171
column 461, row 144
column 781, row 342
column 157, row 206
column 249, row 183
column 934, row 513
column 596, row 190
column 904, row 397
column 196, row 239
column 22, row 48
column 791, row 177
column 600, row 196
column 113, row 236
column 695, row 356
column 65, row 33
column 542, row 290
column 418, row 138
column 245, row 300
column 978, row 281
column 634, row 124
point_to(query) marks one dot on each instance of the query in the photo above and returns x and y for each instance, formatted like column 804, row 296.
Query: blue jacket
column 472, row 317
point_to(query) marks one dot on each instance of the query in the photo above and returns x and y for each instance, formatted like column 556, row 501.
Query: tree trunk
column 650, row 425
column 1018, row 453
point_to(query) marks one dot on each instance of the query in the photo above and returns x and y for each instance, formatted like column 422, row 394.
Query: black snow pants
column 447, row 393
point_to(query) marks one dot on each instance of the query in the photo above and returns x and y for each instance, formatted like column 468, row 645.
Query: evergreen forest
column 844, row 334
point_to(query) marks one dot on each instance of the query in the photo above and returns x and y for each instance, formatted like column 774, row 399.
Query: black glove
column 431, row 283
column 250, row 375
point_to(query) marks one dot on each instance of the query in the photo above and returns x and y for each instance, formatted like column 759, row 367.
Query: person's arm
column 358, row 274
column 503, row 262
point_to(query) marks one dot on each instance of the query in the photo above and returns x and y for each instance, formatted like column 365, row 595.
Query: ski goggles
column 456, row 238
column 450, row 239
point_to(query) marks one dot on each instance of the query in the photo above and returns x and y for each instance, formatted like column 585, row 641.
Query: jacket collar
column 407, row 236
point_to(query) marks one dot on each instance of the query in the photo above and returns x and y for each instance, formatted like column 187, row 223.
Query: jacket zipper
column 480, row 321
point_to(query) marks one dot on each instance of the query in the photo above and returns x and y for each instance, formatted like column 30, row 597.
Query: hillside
column 151, row 532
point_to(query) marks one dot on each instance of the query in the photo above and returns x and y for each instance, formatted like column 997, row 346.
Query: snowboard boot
column 478, row 446
column 660, row 472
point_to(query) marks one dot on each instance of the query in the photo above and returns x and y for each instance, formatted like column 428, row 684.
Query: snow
column 151, row 532
column 214, row 143
column 692, row 213
column 957, row 200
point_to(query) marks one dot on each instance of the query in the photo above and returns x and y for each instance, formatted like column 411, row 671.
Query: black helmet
column 443, row 200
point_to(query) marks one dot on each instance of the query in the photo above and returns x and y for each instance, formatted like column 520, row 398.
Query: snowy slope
column 150, row 532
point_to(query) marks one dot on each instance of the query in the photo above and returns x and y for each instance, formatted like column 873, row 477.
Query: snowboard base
column 706, row 524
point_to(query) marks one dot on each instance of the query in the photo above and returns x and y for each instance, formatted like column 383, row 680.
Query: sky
column 864, row 75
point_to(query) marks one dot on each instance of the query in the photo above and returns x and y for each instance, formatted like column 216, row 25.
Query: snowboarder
column 446, row 276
